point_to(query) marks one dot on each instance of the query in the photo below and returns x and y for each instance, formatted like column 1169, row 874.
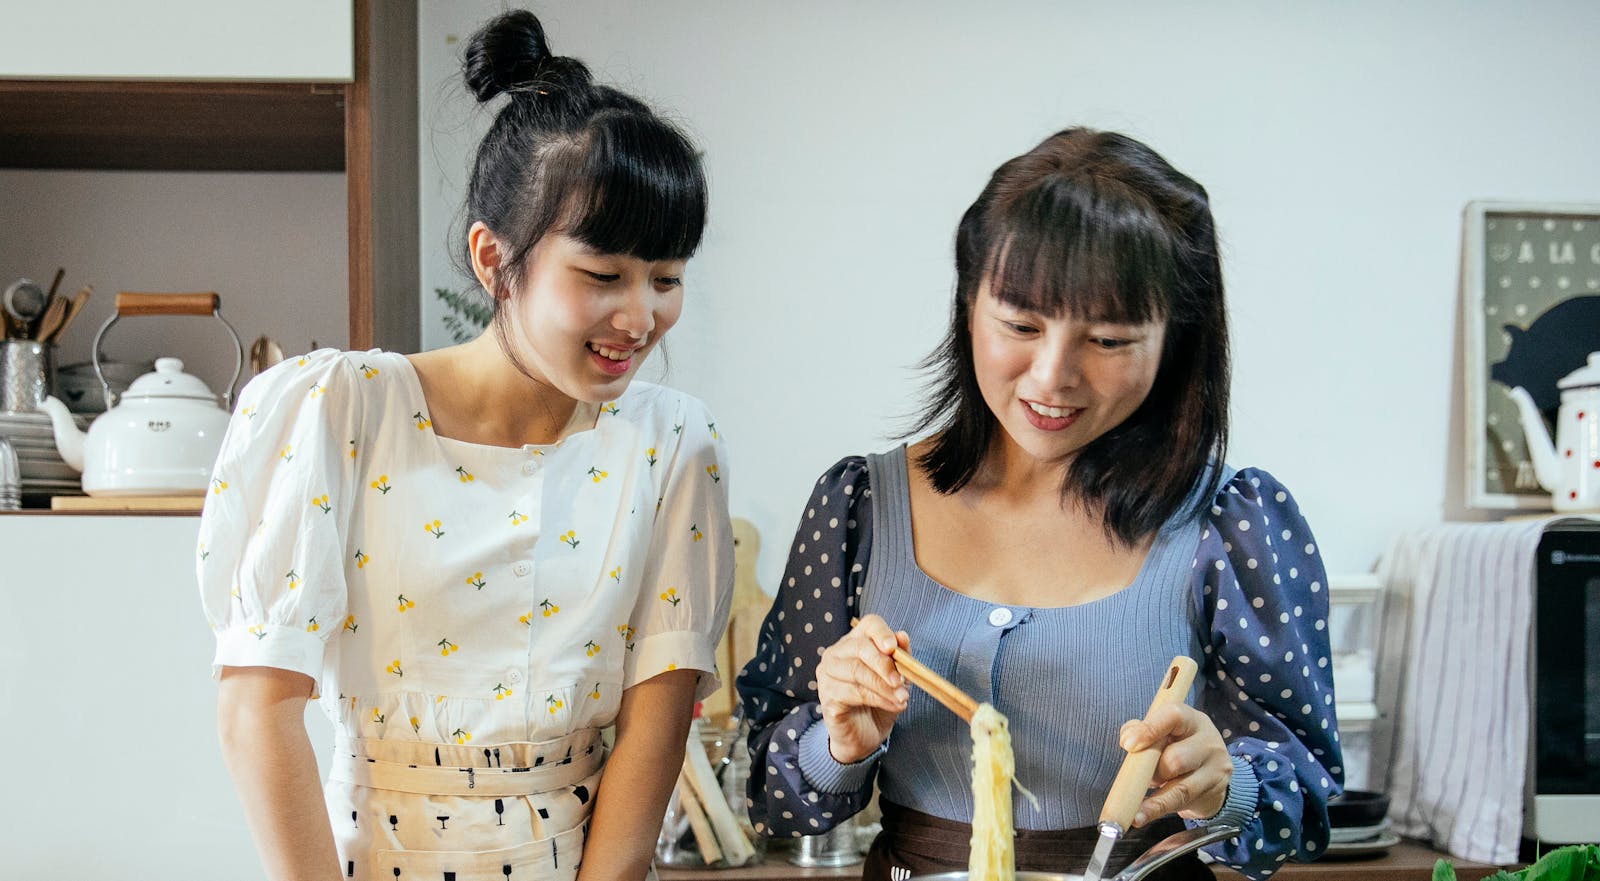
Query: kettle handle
column 132, row 304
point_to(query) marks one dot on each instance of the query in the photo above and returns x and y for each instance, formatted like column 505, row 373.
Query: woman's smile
column 1049, row 418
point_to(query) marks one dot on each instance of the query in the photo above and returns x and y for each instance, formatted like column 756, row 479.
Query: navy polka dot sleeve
column 1263, row 596
column 795, row 787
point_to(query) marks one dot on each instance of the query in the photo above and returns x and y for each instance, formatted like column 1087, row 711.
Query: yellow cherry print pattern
column 447, row 648
column 258, row 632
column 670, row 596
column 590, row 649
column 293, row 578
column 461, row 735
column 597, row 474
column 570, row 537
column 595, row 693
column 421, row 421
column 394, row 667
column 369, row 371
column 609, row 408
column 382, row 484
column 549, row 607
column 404, row 603
column 525, row 618
column 378, row 717
column 317, row 390
column 350, row 625
column 650, row 456
column 361, row 559
column 434, row 528
column 464, row 475
column 712, row 470
column 218, row 486
column 694, row 530
column 501, row 692
column 616, row 574
column 312, row 626
column 322, row 502
column 287, row 453
column 476, row 580
column 552, row 703
column 518, row 518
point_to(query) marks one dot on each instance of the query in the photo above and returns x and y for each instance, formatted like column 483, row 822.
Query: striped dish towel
column 1457, row 621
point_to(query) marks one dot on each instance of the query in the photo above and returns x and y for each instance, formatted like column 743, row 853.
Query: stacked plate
column 43, row 472
column 1359, row 825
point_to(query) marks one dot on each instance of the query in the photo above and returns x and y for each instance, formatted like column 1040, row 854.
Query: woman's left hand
column 1194, row 770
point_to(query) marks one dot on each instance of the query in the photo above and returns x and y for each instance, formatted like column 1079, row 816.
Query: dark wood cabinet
column 366, row 128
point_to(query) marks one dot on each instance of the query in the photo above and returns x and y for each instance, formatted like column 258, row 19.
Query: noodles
column 993, row 775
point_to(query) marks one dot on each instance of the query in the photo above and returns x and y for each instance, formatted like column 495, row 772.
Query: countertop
column 1407, row 861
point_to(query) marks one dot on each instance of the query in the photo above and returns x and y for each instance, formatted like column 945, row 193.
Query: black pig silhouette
column 1555, row 344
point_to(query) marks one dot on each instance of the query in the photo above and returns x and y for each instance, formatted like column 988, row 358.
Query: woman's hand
column 860, row 689
column 1194, row 770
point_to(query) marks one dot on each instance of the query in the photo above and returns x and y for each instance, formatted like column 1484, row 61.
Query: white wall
column 1339, row 142
column 113, row 767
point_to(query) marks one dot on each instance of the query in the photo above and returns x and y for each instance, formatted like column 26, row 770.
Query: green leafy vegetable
column 1575, row 862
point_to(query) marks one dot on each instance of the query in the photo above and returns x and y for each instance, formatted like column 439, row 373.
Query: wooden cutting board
column 129, row 504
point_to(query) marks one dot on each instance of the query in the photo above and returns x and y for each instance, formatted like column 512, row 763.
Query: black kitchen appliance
column 1563, row 793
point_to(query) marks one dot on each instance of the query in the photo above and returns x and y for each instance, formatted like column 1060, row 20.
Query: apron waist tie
column 352, row 767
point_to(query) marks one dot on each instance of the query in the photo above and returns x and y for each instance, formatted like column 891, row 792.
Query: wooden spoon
column 74, row 306
column 50, row 321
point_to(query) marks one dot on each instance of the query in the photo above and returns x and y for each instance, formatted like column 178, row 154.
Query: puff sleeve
column 687, row 586
column 1268, row 680
column 272, row 535
column 796, row 787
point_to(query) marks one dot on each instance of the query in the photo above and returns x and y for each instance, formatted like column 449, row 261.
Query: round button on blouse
column 1000, row 617
column 521, row 568
column 529, row 467
column 514, row 675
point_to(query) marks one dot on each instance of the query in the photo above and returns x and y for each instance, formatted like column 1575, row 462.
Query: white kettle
column 1570, row 467
column 163, row 435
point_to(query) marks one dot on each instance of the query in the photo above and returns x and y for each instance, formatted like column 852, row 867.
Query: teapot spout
column 69, row 438
column 1540, row 448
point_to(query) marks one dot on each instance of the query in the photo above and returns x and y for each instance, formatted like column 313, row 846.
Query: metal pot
column 1165, row 851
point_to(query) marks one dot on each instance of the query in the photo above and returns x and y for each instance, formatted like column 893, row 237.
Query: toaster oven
column 1563, row 793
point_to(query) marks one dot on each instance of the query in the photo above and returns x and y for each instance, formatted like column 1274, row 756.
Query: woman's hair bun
column 510, row 53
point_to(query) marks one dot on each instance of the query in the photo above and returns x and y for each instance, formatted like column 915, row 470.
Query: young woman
column 1065, row 528
column 481, row 556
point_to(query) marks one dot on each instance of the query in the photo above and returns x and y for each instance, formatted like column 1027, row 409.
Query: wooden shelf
column 172, row 126
column 1407, row 861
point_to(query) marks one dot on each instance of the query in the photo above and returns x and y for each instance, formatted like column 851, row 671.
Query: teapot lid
column 1587, row 375
column 169, row 381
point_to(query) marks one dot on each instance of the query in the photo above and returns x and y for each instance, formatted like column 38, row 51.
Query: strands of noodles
column 993, row 775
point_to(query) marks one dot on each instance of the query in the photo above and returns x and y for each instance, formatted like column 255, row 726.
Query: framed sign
column 1531, row 299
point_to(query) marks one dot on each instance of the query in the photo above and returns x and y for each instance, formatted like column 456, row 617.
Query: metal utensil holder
column 130, row 304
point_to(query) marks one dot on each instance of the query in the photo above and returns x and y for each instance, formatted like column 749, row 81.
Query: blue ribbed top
column 1061, row 734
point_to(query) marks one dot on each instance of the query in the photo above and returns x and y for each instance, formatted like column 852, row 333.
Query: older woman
column 1063, row 528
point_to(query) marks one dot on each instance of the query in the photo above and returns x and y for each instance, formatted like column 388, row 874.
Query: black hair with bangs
column 566, row 155
column 1098, row 226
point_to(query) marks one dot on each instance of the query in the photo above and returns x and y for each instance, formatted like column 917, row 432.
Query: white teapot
column 1570, row 467
column 163, row 435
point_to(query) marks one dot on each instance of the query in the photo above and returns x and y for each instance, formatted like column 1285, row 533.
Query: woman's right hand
column 860, row 690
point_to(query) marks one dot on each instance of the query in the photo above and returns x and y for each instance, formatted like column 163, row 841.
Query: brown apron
column 925, row 844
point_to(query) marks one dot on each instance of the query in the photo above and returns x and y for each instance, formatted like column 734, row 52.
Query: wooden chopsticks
column 939, row 688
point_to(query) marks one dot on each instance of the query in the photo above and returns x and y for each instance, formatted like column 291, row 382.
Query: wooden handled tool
column 939, row 688
column 1133, row 779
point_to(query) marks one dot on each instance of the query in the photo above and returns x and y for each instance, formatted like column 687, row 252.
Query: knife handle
column 1133, row 779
